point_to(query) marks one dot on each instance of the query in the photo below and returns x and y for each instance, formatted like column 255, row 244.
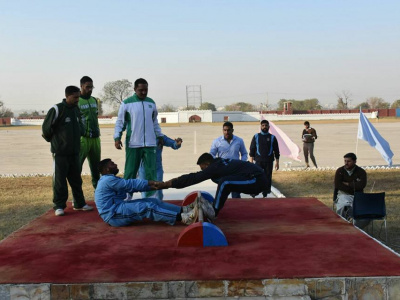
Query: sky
column 238, row 51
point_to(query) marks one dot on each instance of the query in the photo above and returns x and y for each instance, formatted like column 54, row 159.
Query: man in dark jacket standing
column 264, row 149
column 308, row 136
column 63, row 128
column 231, row 175
column 90, row 141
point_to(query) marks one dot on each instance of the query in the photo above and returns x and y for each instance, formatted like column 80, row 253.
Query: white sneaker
column 59, row 212
column 190, row 217
column 186, row 209
column 85, row 208
column 207, row 208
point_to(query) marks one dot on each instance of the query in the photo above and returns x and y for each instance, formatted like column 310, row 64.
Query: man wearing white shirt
column 229, row 146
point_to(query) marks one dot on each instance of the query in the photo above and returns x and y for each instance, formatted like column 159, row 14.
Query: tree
column 376, row 102
column 395, row 104
column 100, row 106
column 344, row 99
column 5, row 112
column 190, row 107
column 207, row 106
column 167, row 108
column 306, row 104
column 26, row 114
column 115, row 92
column 240, row 106
column 363, row 105
column 341, row 104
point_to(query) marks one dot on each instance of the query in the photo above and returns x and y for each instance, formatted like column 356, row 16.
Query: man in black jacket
column 63, row 128
column 231, row 175
column 349, row 179
column 264, row 149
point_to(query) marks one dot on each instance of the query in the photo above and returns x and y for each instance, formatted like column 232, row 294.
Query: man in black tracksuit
column 231, row 175
column 264, row 149
column 63, row 128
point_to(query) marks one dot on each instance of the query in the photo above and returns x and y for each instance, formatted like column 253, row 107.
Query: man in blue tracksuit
column 264, row 149
column 116, row 211
column 162, row 141
column 231, row 175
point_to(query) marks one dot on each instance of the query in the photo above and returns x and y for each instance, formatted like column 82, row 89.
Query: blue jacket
column 111, row 192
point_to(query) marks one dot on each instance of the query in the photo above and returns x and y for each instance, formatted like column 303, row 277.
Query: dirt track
column 23, row 150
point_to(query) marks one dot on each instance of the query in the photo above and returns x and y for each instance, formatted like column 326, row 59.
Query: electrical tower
column 193, row 96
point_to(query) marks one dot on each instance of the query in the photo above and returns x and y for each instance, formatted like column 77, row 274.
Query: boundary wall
column 385, row 288
column 208, row 116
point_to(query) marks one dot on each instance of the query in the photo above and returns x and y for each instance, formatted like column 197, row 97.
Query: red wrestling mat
column 274, row 238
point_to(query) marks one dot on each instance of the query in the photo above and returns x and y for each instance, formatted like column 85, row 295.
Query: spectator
column 63, row 128
column 349, row 179
column 229, row 146
column 309, row 136
column 138, row 115
column 264, row 149
column 90, row 141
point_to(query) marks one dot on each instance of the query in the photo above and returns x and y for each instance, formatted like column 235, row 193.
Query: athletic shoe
column 265, row 193
column 128, row 197
column 190, row 217
column 208, row 209
column 189, row 207
column 85, row 208
column 59, row 212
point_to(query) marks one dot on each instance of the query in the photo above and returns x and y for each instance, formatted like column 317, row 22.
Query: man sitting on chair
column 349, row 179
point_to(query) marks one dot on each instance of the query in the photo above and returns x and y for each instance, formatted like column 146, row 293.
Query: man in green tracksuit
column 138, row 116
column 63, row 128
column 90, row 141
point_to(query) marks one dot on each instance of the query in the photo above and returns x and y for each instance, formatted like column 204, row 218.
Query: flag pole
column 358, row 129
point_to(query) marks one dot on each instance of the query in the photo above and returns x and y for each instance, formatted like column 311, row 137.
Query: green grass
column 23, row 199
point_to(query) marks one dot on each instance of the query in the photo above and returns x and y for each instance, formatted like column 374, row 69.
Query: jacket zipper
column 144, row 125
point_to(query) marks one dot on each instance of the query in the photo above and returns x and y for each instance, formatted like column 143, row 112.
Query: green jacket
column 63, row 128
column 89, row 110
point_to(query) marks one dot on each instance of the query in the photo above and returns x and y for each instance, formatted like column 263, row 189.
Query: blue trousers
column 132, row 211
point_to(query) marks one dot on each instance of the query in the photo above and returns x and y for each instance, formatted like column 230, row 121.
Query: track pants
column 160, row 176
column 309, row 148
column 267, row 166
column 90, row 148
column 239, row 184
column 132, row 162
column 132, row 211
column 67, row 168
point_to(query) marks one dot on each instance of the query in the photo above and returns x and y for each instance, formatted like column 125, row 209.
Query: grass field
column 24, row 199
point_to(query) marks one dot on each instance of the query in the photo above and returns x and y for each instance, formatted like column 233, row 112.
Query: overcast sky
column 251, row 51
